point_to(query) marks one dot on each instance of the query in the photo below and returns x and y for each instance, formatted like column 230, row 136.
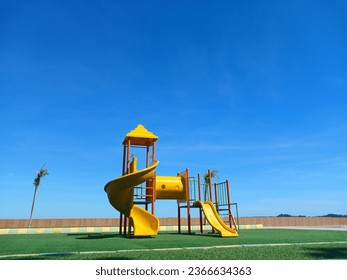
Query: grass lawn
column 264, row 244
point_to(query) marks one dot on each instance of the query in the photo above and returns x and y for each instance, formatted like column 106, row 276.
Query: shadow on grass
column 78, row 257
column 102, row 235
column 193, row 234
column 93, row 235
column 328, row 253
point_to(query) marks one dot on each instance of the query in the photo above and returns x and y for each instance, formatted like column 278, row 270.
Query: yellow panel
column 57, row 230
column 40, row 230
column 105, row 229
column 90, row 229
column 170, row 187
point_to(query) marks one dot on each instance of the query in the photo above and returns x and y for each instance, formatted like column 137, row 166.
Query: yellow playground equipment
column 144, row 187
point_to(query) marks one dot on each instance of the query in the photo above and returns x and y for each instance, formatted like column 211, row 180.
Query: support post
column 210, row 184
column 147, row 156
column 210, row 189
column 200, row 210
column 179, row 217
column 125, row 225
column 188, row 200
column 120, row 223
column 153, row 179
column 124, row 159
column 128, row 158
column 216, row 197
column 229, row 203
column 153, row 152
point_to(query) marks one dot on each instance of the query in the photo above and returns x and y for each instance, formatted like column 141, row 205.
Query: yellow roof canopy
column 140, row 136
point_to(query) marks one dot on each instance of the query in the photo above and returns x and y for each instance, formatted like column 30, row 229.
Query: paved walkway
column 102, row 229
column 343, row 228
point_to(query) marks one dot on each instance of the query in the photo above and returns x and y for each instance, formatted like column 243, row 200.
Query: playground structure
column 144, row 187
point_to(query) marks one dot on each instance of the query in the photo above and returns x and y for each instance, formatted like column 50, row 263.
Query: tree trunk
column 32, row 207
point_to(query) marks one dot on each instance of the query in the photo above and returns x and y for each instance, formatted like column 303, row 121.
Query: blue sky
column 257, row 91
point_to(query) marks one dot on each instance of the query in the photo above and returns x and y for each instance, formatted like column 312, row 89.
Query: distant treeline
column 328, row 216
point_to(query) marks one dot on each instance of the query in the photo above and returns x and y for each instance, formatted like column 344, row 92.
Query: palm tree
column 214, row 174
column 42, row 172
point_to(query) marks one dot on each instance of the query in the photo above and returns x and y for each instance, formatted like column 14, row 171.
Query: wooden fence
column 265, row 221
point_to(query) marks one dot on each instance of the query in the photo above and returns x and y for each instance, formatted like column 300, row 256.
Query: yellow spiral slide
column 120, row 193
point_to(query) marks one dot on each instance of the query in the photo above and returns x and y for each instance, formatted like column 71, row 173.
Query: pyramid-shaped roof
column 140, row 136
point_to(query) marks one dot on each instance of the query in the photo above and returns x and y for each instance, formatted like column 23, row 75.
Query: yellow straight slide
column 215, row 220
column 120, row 193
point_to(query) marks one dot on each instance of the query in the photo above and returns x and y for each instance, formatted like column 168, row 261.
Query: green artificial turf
column 113, row 246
